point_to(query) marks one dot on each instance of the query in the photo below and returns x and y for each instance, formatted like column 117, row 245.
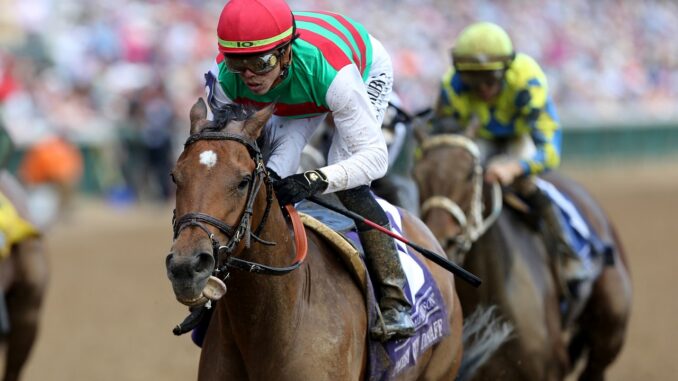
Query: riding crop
column 455, row 269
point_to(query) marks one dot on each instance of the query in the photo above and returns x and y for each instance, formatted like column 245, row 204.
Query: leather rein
column 474, row 224
column 244, row 228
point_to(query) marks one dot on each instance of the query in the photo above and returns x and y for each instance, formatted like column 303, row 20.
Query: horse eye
column 469, row 177
column 172, row 177
column 244, row 183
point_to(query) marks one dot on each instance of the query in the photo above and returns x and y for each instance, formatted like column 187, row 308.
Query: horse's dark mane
column 227, row 113
column 239, row 112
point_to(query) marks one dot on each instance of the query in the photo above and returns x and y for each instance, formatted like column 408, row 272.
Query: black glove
column 273, row 175
column 295, row 188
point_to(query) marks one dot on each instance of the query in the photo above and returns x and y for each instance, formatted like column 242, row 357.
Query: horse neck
column 267, row 302
column 510, row 260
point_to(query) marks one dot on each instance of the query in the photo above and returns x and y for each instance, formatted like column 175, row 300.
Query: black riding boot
column 552, row 229
column 383, row 262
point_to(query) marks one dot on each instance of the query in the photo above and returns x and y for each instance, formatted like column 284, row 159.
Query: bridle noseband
column 243, row 229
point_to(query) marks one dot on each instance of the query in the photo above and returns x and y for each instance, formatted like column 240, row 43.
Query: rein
column 474, row 225
column 243, row 229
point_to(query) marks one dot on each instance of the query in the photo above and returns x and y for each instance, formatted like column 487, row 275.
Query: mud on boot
column 383, row 262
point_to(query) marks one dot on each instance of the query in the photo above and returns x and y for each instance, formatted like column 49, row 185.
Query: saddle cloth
column 581, row 238
column 387, row 360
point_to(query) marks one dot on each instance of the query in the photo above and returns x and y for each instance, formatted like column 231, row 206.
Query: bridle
column 474, row 224
column 223, row 253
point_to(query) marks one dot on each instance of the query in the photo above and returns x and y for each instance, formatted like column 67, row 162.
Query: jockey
column 502, row 97
column 310, row 64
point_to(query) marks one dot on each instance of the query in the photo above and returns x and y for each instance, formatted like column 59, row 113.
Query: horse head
column 450, row 179
column 218, row 179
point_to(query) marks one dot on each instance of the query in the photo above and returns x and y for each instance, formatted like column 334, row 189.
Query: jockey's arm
column 545, row 131
column 537, row 114
column 546, row 135
column 358, row 154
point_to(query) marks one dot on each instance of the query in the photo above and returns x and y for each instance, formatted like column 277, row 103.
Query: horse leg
column 446, row 355
column 24, row 301
column 606, row 320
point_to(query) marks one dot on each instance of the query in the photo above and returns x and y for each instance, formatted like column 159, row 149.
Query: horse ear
column 198, row 116
column 255, row 124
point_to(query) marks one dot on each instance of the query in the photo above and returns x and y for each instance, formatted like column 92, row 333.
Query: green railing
column 603, row 143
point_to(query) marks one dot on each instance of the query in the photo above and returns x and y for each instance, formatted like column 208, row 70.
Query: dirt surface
column 110, row 308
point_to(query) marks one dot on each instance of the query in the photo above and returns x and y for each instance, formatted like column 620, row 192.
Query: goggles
column 259, row 65
column 476, row 79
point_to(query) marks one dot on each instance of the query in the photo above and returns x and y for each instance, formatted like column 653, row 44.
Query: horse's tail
column 484, row 332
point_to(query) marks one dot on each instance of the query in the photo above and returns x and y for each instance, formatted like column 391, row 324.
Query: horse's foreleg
column 606, row 321
column 24, row 301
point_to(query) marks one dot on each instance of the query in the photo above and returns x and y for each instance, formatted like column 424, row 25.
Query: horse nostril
column 204, row 262
column 168, row 260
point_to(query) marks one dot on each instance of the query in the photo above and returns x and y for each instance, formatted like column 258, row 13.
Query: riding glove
column 295, row 188
column 273, row 175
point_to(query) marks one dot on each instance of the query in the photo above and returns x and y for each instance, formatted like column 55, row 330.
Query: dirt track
column 110, row 308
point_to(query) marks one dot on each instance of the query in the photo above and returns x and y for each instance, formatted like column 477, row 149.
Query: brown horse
column 496, row 243
column 282, row 319
column 23, row 282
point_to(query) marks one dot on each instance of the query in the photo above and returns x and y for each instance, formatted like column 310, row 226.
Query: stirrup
column 392, row 325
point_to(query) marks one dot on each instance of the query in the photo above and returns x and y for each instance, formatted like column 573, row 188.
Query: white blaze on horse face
column 208, row 158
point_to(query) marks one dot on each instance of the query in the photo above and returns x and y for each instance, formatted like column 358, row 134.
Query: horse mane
column 224, row 114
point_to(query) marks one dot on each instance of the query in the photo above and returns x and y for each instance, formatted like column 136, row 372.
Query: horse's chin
column 214, row 290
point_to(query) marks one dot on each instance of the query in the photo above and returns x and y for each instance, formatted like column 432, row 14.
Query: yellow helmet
column 482, row 46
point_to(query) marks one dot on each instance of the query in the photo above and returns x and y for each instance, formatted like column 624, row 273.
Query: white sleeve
column 358, row 152
column 286, row 138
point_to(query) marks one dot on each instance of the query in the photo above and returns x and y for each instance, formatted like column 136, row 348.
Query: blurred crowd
column 122, row 75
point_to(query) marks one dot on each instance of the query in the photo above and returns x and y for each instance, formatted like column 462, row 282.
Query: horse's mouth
column 214, row 290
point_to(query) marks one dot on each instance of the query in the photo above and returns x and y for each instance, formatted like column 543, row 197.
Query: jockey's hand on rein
column 295, row 188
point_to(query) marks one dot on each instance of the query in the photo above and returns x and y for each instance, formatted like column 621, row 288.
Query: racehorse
column 283, row 318
column 24, row 277
column 495, row 243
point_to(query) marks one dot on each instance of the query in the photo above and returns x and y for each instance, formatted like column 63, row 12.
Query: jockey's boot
column 573, row 269
column 383, row 263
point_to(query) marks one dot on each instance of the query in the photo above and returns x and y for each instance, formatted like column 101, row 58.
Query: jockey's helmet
column 482, row 46
column 254, row 26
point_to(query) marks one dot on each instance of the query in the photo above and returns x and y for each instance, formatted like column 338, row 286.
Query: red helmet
column 254, row 26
